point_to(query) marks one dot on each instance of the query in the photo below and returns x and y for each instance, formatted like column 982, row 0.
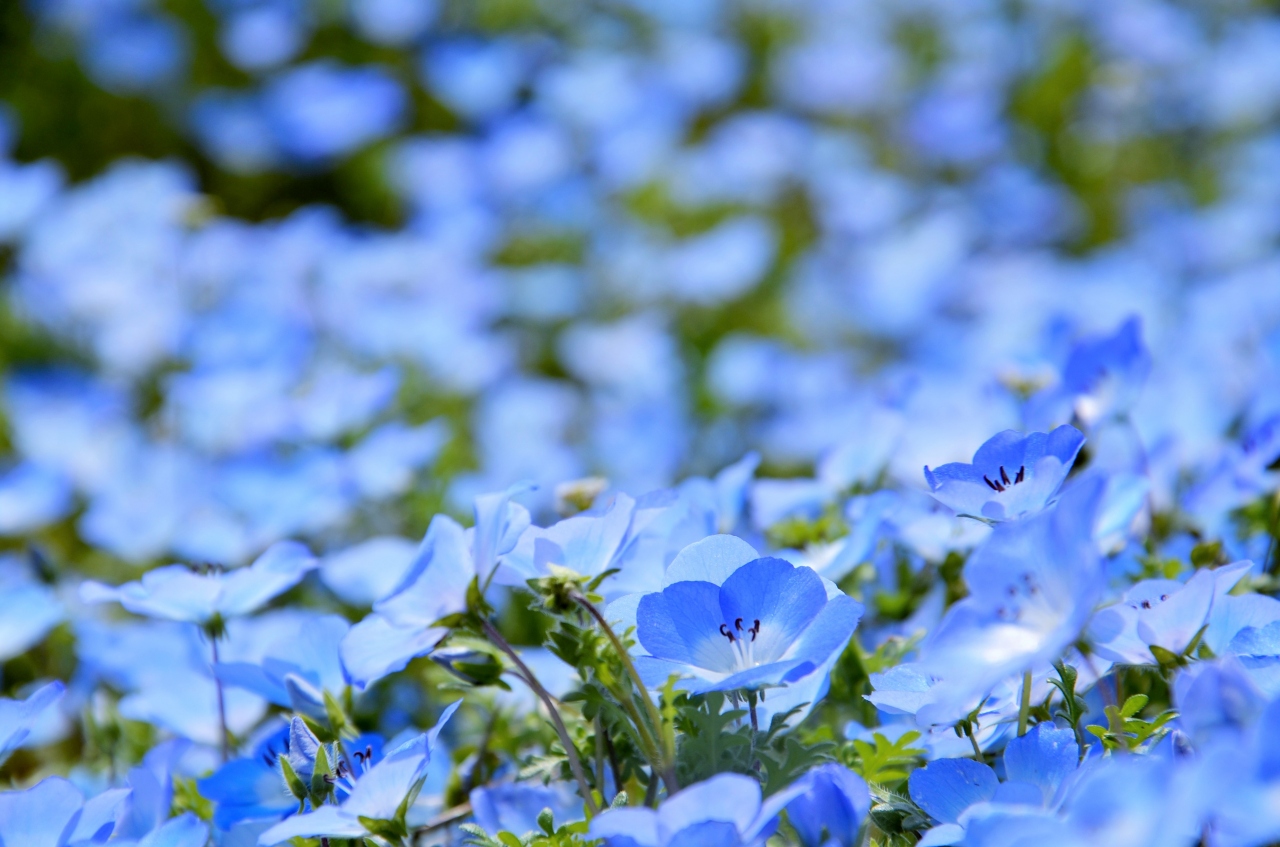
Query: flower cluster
column 639, row 424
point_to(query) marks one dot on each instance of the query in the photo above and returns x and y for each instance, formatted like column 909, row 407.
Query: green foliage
column 1073, row 706
column 1126, row 731
column 800, row 532
column 716, row 740
column 883, row 762
column 568, row 835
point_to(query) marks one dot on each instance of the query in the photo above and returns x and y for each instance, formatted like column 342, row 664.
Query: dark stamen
column 1022, row 473
column 995, row 486
column 724, row 630
column 1004, row 477
column 755, row 630
column 737, row 624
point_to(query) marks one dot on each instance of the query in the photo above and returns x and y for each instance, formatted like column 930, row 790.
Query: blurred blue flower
column 403, row 624
column 132, row 54
column 515, row 806
column 18, row 716
column 179, row 593
column 298, row 668
column 1033, row 586
column 832, row 809
column 31, row 609
column 724, row 811
column 323, row 110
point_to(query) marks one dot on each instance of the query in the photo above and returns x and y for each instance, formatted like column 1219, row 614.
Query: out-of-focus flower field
column 647, row 423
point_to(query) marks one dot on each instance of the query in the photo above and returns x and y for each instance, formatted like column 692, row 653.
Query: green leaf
column 1133, row 705
column 619, row 800
column 393, row 831
column 320, row 789
column 292, row 780
column 546, row 821
column 509, row 840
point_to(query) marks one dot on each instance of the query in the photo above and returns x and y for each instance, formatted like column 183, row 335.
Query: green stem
column 1024, row 708
column 222, row 701
column 570, row 751
column 663, row 732
column 972, row 732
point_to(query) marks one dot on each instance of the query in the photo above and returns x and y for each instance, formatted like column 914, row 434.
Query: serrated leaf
column 1133, row 705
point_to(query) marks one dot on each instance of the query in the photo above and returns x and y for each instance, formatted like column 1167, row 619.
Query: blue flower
column 724, row 811
column 403, row 624
column 18, row 716
column 1103, row 376
column 1036, row 768
column 1161, row 613
column 299, row 666
column 832, row 809
column 729, row 620
column 251, row 787
column 54, row 813
column 514, row 807
column 1011, row 475
column 28, row 610
column 1033, row 586
column 380, row 793
column 178, row 593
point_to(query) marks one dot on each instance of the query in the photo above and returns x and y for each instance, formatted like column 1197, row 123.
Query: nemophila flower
column 180, row 593
column 403, row 624
column 1161, row 613
column 724, row 811
column 377, row 797
column 297, row 667
column 54, row 813
column 1217, row 701
column 831, row 809
column 514, row 806
column 728, row 620
column 1011, row 475
column 588, row 543
column 1033, row 586
column 1036, row 767
column 28, row 608
column 1103, row 376
column 18, row 716
column 251, row 787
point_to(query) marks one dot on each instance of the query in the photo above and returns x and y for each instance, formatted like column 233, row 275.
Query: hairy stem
column 1024, row 708
column 570, row 751
column 664, row 733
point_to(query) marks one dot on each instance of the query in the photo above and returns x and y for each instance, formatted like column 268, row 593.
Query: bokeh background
column 320, row 269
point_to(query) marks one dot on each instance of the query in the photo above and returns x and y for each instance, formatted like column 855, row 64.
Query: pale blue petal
column 367, row 572
column 44, row 815
column 375, row 648
column 946, row 787
column 636, row 824
column 1044, row 757
column 326, row 821
column 184, row 831
column 711, row 560
column 728, row 797
column 17, row 717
